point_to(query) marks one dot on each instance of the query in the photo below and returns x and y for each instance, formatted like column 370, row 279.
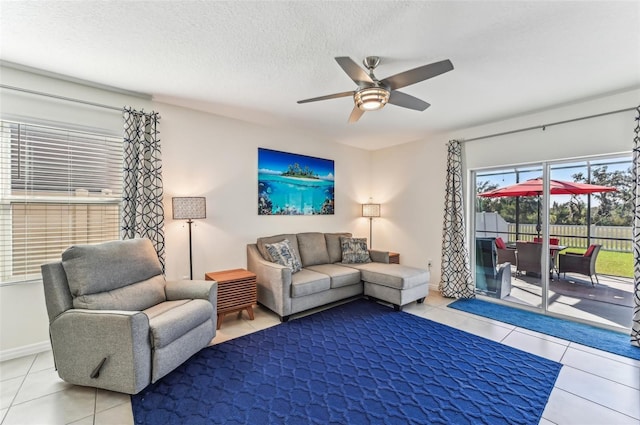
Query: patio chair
column 492, row 279
column 552, row 241
column 505, row 254
column 582, row 264
column 529, row 257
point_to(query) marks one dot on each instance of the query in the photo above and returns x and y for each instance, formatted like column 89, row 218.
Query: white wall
column 409, row 183
column 410, row 178
column 216, row 157
column 596, row 136
column 16, row 104
column 203, row 155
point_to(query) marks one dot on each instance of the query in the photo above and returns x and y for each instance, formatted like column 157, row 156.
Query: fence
column 491, row 224
column 612, row 238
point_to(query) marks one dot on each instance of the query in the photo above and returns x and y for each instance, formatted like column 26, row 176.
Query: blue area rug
column 358, row 363
column 602, row 339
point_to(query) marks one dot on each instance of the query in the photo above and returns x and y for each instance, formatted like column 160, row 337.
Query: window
column 58, row 187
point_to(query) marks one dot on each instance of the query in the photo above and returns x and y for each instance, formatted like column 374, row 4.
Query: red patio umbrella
column 533, row 187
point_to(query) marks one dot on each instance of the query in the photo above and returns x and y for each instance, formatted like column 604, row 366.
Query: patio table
column 553, row 251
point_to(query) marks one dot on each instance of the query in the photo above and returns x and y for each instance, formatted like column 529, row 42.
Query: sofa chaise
column 327, row 275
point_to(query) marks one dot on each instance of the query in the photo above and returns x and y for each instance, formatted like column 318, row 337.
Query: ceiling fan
column 372, row 94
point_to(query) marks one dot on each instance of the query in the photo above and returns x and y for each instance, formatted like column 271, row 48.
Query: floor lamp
column 370, row 211
column 189, row 208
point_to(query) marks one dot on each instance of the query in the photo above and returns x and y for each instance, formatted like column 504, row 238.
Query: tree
column 613, row 208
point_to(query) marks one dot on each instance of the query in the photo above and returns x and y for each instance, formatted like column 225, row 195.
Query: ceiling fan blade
column 327, row 97
column 356, row 73
column 418, row 74
column 407, row 101
column 355, row 114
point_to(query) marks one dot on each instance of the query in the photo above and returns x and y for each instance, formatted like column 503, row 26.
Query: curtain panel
column 455, row 280
column 635, row 326
column 142, row 210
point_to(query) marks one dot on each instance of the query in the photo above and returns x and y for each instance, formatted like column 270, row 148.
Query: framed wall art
column 292, row 184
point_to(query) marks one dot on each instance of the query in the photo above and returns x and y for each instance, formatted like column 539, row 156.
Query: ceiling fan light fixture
column 371, row 98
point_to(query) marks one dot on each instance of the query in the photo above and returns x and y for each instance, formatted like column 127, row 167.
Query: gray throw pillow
column 334, row 246
column 354, row 250
column 282, row 253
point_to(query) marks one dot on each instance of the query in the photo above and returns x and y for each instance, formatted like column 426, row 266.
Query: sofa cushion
column 354, row 250
column 173, row 322
column 313, row 249
column 334, row 247
column 283, row 254
column 91, row 269
column 392, row 275
column 340, row 275
column 293, row 240
column 135, row 297
column 308, row 282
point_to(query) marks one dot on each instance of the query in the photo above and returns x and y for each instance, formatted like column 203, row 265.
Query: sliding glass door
column 508, row 218
column 556, row 237
column 592, row 227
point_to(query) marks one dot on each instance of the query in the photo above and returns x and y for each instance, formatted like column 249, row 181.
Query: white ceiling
column 254, row 60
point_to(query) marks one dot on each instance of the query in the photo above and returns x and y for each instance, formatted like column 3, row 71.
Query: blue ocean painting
column 291, row 184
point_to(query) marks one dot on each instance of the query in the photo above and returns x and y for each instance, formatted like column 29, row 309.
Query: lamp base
column 189, row 222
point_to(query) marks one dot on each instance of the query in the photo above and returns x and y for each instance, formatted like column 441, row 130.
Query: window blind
column 58, row 187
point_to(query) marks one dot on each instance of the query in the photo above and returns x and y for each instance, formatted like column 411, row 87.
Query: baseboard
column 25, row 350
column 434, row 287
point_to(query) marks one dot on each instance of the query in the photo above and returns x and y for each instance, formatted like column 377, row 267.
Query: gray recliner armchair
column 116, row 323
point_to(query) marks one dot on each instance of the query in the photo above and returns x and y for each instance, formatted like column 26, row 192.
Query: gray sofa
column 115, row 323
column 324, row 278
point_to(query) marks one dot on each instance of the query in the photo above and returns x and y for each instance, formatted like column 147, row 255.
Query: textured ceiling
column 254, row 60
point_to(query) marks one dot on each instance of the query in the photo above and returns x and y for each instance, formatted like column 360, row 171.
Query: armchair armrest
column 379, row 256
column 506, row 255
column 273, row 280
column 569, row 261
column 105, row 348
column 192, row 289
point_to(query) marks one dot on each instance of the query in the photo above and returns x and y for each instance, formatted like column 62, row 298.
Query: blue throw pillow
column 282, row 253
column 354, row 250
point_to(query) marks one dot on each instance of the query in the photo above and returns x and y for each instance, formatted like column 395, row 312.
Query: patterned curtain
column 455, row 281
column 142, row 210
column 635, row 328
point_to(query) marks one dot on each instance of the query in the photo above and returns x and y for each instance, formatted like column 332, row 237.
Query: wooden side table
column 394, row 258
column 236, row 291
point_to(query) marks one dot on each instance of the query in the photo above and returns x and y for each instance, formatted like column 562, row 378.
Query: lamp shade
column 371, row 210
column 187, row 208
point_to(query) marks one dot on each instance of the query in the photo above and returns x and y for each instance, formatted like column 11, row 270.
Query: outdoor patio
column 609, row 303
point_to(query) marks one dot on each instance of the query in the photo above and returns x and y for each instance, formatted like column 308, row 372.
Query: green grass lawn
column 611, row 262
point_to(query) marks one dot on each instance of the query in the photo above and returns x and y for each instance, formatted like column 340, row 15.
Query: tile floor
column 594, row 387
